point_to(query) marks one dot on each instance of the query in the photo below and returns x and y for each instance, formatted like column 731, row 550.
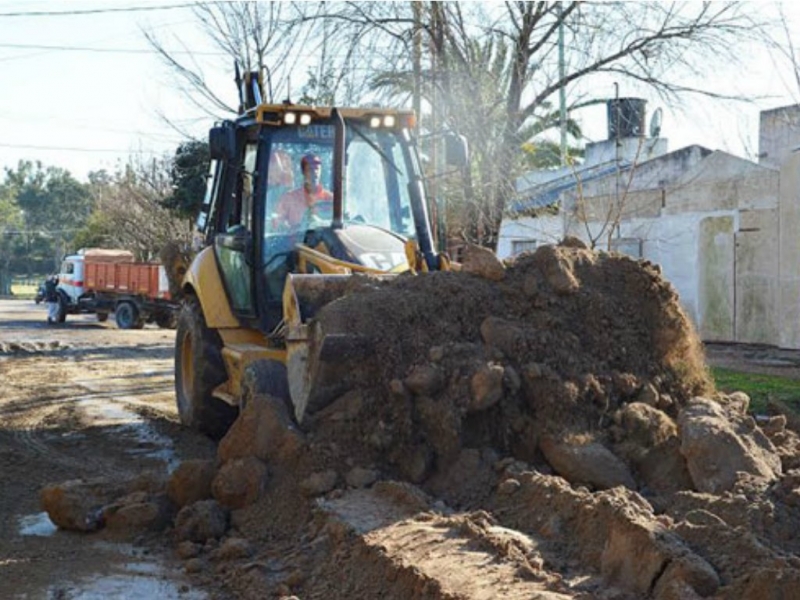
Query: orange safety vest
column 293, row 205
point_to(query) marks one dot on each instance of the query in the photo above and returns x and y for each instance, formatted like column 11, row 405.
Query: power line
column 72, row 149
column 107, row 50
column 84, row 125
column 92, row 11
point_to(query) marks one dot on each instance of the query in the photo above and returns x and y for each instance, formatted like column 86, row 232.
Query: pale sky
column 85, row 91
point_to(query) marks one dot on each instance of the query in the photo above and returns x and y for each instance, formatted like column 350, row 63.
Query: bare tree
column 489, row 71
column 130, row 213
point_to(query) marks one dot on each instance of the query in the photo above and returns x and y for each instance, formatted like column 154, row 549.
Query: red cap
column 310, row 159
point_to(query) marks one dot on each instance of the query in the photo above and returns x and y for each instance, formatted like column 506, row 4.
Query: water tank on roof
column 625, row 117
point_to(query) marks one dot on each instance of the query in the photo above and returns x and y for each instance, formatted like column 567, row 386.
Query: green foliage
column 96, row 233
column 52, row 199
column 471, row 100
column 47, row 206
column 545, row 154
column 760, row 388
column 188, row 178
column 130, row 208
column 11, row 223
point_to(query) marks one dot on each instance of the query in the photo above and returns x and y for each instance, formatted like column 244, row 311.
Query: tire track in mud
column 34, row 403
column 59, row 413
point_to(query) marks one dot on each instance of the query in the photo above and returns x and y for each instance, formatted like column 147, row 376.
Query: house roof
column 547, row 194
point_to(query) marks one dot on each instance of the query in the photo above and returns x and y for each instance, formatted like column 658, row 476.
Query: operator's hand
column 320, row 212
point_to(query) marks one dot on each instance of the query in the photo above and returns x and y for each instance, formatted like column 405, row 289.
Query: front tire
column 198, row 370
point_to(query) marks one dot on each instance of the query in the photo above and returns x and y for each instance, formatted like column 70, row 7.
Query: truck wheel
column 102, row 317
column 198, row 370
column 127, row 316
column 166, row 320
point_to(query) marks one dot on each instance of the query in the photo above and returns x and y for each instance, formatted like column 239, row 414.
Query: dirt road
column 83, row 400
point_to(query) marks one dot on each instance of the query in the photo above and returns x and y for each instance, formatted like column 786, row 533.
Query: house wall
column 715, row 234
column 636, row 149
column 789, row 254
column 715, row 277
column 779, row 135
column 756, row 272
column 725, row 230
column 548, row 229
column 726, row 182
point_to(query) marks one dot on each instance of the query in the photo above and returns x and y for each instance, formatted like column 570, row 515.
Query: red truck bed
column 142, row 279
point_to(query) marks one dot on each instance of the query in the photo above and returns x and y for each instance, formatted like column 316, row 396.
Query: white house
column 724, row 229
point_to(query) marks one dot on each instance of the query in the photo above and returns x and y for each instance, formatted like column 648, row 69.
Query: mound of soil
column 550, row 353
column 548, row 430
column 567, row 402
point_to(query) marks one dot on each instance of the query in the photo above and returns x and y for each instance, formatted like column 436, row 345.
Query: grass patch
column 19, row 289
column 760, row 388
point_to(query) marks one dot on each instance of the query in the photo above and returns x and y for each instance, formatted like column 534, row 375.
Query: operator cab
column 266, row 219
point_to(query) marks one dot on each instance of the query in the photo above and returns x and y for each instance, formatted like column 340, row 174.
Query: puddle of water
column 38, row 525
column 138, row 578
column 109, row 414
column 144, row 440
column 126, row 587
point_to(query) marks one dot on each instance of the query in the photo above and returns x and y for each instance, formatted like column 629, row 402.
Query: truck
column 101, row 281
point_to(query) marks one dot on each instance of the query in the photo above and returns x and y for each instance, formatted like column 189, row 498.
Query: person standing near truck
column 51, row 298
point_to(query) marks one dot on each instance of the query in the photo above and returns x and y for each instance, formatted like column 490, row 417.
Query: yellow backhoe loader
column 299, row 200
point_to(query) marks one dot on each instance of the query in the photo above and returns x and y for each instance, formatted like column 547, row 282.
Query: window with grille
column 519, row 246
column 630, row 246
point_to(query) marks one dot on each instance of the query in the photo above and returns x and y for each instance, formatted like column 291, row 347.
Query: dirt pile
column 529, row 394
column 546, row 430
column 540, row 362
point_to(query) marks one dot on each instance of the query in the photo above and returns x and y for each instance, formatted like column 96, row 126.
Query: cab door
column 233, row 244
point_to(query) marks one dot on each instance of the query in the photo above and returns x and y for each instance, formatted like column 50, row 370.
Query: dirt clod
column 201, row 521
column 191, row 482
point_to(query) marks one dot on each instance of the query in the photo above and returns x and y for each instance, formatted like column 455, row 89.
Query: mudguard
column 203, row 280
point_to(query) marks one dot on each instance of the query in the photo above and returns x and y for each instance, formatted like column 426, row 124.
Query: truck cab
column 70, row 279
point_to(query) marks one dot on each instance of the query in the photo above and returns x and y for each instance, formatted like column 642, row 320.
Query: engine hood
column 373, row 247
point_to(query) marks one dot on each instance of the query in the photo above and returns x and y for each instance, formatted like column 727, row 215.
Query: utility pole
column 617, row 156
column 562, row 92
column 417, row 65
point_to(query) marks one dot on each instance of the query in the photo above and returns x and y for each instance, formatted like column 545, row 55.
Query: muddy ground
column 85, row 400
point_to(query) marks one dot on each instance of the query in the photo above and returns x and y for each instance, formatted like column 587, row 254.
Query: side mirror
column 456, row 150
column 222, row 143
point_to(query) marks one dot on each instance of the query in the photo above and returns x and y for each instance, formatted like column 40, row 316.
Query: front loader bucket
column 319, row 355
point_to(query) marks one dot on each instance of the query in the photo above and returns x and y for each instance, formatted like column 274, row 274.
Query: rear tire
column 198, row 370
column 166, row 320
column 127, row 316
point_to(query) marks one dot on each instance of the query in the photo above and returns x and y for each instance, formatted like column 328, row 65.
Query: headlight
column 375, row 122
column 305, row 119
column 389, row 121
column 289, row 118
